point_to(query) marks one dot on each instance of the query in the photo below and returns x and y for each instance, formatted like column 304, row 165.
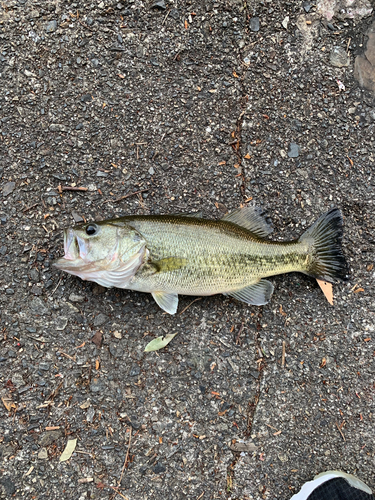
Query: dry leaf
column 247, row 156
column 97, row 364
column 69, row 449
column 235, row 74
column 8, row 403
column 327, row 290
column 86, row 404
column 359, row 290
column 159, row 342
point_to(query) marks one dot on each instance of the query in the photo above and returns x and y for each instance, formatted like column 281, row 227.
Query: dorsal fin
column 250, row 218
column 198, row 215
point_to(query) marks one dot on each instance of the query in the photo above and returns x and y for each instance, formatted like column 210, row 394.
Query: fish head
column 96, row 250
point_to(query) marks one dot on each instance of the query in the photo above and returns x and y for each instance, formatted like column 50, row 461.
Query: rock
column 43, row 366
column 76, row 298
column 344, row 9
column 43, row 454
column 159, row 4
column 9, row 486
column 34, row 275
column 134, row 371
column 254, row 24
column 293, row 151
column 285, row 22
column 239, row 446
column 38, row 307
column 338, row 57
column 49, row 437
column 306, row 6
column 175, row 14
column 8, row 188
column 61, row 323
column 96, row 385
column 77, row 218
column 159, row 468
column 364, row 65
column 100, row 319
column 51, row 26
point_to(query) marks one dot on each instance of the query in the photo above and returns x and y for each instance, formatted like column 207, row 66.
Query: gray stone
column 43, row 454
column 338, row 57
column 254, row 24
column 134, row 371
column 76, row 298
column 51, row 26
column 61, row 322
column 49, row 437
column 8, row 188
column 293, row 150
column 38, row 307
column 364, row 66
column 100, row 319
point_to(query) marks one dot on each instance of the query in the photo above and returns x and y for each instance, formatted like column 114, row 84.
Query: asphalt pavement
column 111, row 108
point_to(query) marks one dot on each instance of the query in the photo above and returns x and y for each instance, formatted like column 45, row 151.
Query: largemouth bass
column 168, row 255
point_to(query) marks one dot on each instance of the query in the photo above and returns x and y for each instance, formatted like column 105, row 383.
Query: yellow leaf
column 97, row 364
column 69, row 449
column 327, row 290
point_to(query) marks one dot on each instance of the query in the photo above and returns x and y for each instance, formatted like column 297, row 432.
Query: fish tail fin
column 326, row 259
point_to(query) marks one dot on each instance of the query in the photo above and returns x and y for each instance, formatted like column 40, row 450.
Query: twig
column 57, row 286
column 340, row 431
column 73, row 188
column 283, row 355
column 165, row 17
column 201, row 495
column 84, row 25
column 127, row 196
column 187, row 307
column 239, row 333
column 126, row 458
column 29, row 208
column 119, row 493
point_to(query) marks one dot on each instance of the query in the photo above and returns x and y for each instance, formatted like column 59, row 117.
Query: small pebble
column 338, row 57
column 51, row 26
column 293, row 151
column 254, row 24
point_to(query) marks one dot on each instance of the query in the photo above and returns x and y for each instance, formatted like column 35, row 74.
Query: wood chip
column 97, row 339
column 327, row 290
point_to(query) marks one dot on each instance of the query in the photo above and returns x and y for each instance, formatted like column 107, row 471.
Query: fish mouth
column 74, row 252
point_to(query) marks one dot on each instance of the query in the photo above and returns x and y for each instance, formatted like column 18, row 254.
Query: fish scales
column 220, row 256
column 168, row 255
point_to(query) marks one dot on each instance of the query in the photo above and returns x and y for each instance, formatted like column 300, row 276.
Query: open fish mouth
column 74, row 250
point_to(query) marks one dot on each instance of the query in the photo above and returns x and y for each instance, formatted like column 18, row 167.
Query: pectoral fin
column 257, row 294
column 167, row 301
column 168, row 264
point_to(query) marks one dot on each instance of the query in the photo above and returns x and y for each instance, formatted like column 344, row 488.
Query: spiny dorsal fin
column 198, row 215
column 250, row 218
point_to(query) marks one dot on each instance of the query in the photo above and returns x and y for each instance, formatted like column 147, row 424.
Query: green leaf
column 159, row 343
column 69, row 449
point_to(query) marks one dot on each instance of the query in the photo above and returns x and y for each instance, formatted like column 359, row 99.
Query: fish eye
column 91, row 229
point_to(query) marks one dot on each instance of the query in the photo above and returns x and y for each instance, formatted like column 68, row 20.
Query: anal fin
column 166, row 301
column 257, row 294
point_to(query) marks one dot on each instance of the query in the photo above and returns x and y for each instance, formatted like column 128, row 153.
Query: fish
column 185, row 254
